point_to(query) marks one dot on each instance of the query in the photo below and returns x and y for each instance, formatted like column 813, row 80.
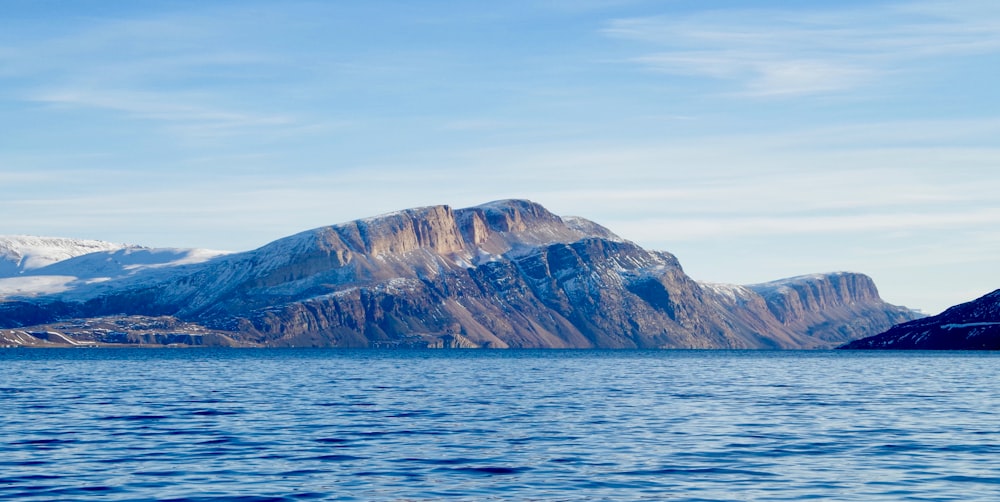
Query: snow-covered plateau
column 34, row 266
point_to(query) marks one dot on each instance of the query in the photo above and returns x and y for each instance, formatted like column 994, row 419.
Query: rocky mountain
column 503, row 274
column 970, row 326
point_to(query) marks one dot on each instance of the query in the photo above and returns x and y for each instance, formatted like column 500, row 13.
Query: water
column 207, row 424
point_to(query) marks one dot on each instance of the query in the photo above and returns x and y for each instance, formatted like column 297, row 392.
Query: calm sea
column 205, row 424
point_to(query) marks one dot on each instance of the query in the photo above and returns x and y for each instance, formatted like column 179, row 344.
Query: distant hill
column 503, row 274
column 21, row 253
column 40, row 267
column 970, row 326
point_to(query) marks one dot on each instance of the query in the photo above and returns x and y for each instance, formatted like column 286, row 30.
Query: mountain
column 40, row 266
column 21, row 253
column 970, row 326
column 503, row 274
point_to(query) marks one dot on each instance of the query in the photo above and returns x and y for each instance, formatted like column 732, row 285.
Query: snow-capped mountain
column 21, row 253
column 37, row 266
column 503, row 274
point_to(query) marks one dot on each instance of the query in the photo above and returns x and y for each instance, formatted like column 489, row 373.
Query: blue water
column 204, row 424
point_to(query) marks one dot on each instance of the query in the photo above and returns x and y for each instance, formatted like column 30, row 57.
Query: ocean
column 575, row 425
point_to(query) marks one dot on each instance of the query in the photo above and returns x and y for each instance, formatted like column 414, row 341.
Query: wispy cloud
column 174, row 109
column 803, row 52
column 173, row 71
column 688, row 228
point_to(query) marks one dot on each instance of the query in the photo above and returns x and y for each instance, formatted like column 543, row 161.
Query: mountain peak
column 492, row 228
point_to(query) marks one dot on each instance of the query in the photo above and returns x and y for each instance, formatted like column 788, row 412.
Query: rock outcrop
column 499, row 275
column 970, row 326
column 832, row 307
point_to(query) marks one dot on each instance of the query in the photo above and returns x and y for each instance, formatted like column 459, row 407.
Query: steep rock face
column 970, row 326
column 832, row 307
column 503, row 274
column 798, row 298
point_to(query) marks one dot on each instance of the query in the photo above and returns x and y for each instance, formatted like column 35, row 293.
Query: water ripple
column 284, row 425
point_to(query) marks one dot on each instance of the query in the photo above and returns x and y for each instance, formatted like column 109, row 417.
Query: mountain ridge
column 502, row 274
column 20, row 253
column 974, row 325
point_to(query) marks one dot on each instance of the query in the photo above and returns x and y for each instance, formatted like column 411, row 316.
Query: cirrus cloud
column 767, row 52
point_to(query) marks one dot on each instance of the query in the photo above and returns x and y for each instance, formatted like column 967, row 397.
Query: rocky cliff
column 970, row 326
column 503, row 274
column 831, row 307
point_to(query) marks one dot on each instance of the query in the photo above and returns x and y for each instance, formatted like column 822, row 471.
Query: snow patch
column 590, row 228
column 127, row 261
column 29, row 286
column 732, row 292
column 21, row 253
column 80, row 274
column 969, row 325
column 786, row 283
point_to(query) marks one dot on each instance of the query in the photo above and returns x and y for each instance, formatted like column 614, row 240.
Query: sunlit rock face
column 507, row 274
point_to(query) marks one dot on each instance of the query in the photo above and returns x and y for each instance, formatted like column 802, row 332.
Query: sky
column 755, row 140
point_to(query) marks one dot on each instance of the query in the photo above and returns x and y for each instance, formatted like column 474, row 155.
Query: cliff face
column 831, row 307
column 970, row 326
column 504, row 274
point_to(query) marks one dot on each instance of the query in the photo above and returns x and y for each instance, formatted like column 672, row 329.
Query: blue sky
column 753, row 139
